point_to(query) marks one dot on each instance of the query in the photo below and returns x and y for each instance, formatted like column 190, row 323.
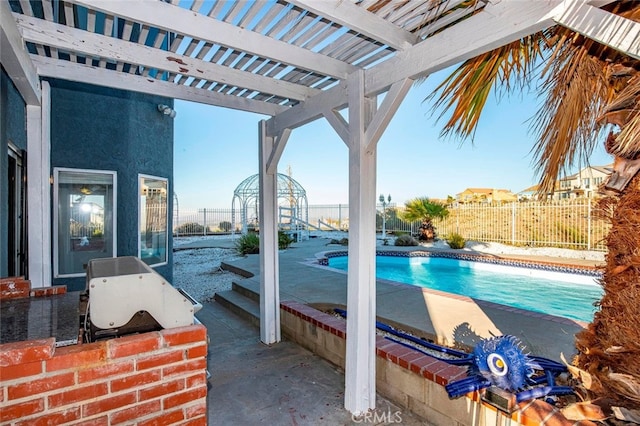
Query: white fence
column 566, row 224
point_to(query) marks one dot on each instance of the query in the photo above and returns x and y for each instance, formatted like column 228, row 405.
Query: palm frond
column 566, row 125
column 422, row 208
column 467, row 89
column 627, row 107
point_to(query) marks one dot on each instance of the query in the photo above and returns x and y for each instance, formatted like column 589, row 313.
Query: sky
column 215, row 149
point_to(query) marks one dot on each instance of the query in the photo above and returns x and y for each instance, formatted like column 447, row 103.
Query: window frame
column 56, row 216
column 142, row 176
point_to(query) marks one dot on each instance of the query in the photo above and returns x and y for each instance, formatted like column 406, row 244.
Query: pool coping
column 594, row 271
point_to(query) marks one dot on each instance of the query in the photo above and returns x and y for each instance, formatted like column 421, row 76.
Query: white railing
column 566, row 224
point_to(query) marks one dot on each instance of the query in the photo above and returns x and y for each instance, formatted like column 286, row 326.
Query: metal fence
column 565, row 224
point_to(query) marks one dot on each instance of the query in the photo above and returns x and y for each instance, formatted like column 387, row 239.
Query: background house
column 528, row 194
column 584, row 184
column 485, row 195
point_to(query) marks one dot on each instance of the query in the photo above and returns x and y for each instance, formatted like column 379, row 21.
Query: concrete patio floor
column 282, row 384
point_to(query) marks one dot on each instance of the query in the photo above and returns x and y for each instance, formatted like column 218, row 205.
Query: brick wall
column 155, row 378
column 411, row 379
column 144, row 379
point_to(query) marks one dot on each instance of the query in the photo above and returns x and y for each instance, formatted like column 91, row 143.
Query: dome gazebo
column 293, row 208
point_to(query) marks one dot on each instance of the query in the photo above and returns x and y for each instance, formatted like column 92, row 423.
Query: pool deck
column 440, row 316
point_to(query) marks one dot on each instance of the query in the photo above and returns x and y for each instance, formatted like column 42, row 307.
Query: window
column 84, row 219
column 153, row 240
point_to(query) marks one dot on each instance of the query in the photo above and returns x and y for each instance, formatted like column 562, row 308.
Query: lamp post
column 385, row 203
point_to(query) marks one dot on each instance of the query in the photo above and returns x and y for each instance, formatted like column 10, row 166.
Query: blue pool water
column 561, row 294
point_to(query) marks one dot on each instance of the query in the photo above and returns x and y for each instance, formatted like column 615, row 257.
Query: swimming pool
column 542, row 290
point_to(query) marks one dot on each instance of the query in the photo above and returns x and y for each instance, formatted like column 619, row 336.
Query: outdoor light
column 167, row 110
column 384, row 213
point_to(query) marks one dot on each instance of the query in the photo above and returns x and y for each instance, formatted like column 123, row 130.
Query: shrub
column 406, row 240
column 248, row 244
column 456, row 241
column 342, row 241
column 190, row 228
column 284, row 240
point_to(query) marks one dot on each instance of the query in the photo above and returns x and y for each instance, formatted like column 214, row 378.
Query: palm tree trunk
column 609, row 348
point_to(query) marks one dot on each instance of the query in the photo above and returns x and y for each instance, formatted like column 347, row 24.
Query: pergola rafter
column 294, row 61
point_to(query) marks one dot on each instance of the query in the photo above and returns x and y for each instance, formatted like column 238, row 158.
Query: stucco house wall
column 101, row 128
column 12, row 129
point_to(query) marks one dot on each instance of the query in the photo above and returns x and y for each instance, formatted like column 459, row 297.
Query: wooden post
column 269, row 269
column 360, row 364
column 366, row 125
column 39, row 190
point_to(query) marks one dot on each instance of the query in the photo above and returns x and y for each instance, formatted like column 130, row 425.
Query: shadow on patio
column 283, row 384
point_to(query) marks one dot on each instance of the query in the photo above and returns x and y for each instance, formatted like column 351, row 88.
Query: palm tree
column 426, row 211
column 592, row 93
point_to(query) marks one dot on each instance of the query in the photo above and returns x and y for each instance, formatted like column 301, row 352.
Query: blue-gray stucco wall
column 13, row 127
column 107, row 129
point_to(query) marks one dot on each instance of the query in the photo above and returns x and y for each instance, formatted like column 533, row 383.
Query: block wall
column 410, row 379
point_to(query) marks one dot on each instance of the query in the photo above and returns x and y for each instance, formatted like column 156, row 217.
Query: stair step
column 245, row 289
column 240, row 305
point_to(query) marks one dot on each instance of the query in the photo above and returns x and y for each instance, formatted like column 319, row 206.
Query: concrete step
column 240, row 305
column 247, row 289
column 232, row 268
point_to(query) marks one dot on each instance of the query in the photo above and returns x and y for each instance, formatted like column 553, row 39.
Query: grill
column 126, row 296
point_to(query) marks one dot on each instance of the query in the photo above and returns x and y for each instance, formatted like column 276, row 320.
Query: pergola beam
column 338, row 123
column 15, row 58
column 280, row 141
column 604, row 27
column 176, row 19
column 498, row 24
column 495, row 26
column 93, row 45
column 310, row 110
column 360, row 20
column 387, row 110
column 48, row 67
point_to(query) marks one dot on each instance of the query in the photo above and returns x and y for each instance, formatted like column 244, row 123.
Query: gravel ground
column 198, row 271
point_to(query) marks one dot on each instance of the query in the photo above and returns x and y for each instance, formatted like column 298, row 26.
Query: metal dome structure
column 293, row 208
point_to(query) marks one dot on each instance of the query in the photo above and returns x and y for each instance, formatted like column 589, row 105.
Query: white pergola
column 293, row 60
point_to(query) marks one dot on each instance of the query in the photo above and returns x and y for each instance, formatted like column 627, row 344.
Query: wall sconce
column 167, row 110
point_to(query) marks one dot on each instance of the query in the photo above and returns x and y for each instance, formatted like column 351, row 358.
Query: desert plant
column 570, row 234
column 190, row 228
column 426, row 211
column 455, row 241
column 248, row 244
column 342, row 241
column 406, row 240
column 284, row 240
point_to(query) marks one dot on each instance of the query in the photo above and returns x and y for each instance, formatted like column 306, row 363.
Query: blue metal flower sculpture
column 502, row 361
column 497, row 361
